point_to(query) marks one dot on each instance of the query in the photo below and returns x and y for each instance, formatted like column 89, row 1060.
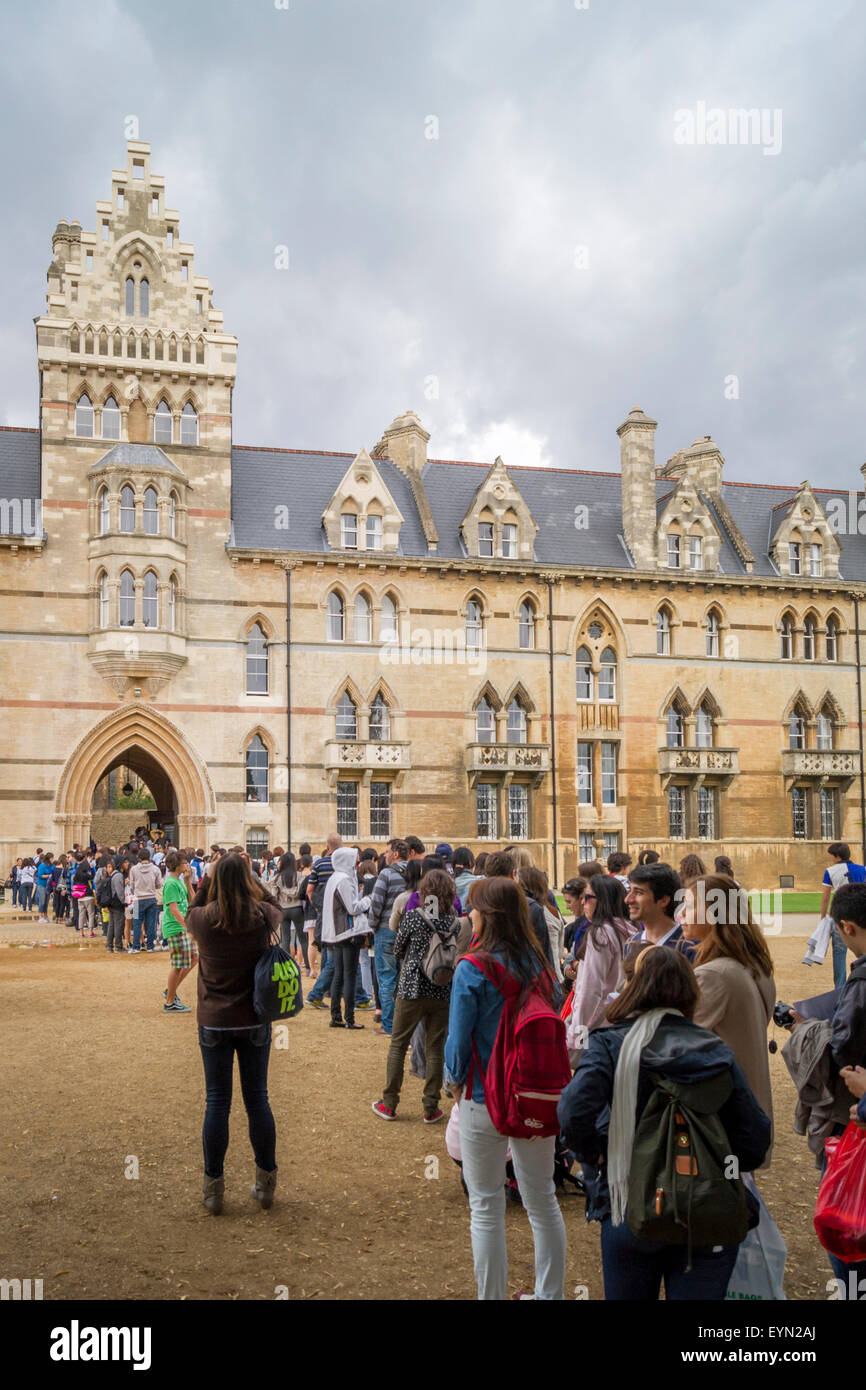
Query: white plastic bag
column 760, row 1267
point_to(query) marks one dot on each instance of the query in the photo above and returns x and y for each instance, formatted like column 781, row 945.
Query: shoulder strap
column 495, row 973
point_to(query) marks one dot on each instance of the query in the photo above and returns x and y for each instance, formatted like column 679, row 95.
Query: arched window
column 388, row 630
column 103, row 600
column 474, row 625
column 130, row 296
column 809, row 648
column 363, row 619
column 257, row 769
column 172, row 604
column 712, row 631
column 188, row 425
column 676, row 728
column 485, row 723
column 84, row 418
column 150, row 601
column 825, row 728
column 831, row 637
column 144, row 298
column 796, row 728
column 172, row 514
column 663, row 632
column 111, row 419
column 126, row 614
column 257, row 661
column 526, row 626
column 380, row 720
column 151, row 512
column 127, row 509
column 607, row 675
column 104, row 512
column 786, row 635
column 162, row 424
column 516, row 722
column 336, row 625
column 347, row 717
column 584, row 674
column 704, row 727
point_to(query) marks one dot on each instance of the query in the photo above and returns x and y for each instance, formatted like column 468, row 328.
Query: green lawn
column 790, row 901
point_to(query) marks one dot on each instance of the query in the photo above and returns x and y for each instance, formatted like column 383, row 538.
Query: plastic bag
column 816, row 946
column 760, row 1268
column 840, row 1212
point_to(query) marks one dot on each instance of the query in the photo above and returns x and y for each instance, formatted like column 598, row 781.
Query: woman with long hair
column 286, row 889
column 502, row 926
column 691, row 867
column 652, row 1035
column 600, row 974
column 734, row 971
column 535, row 885
column 232, row 925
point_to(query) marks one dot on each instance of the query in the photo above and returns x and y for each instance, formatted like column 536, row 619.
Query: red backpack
column 529, row 1065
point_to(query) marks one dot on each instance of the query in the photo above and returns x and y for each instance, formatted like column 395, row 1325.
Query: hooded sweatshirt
column 343, row 881
column 679, row 1050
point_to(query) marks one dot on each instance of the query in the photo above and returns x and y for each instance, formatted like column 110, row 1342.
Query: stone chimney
column 637, row 448
column 404, row 443
column 702, row 462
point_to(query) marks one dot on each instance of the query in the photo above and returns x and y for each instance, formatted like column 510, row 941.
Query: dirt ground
column 92, row 1074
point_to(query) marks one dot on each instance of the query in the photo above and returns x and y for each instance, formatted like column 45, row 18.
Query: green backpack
column 678, row 1193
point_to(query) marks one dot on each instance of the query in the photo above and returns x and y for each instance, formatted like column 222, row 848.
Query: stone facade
column 452, row 671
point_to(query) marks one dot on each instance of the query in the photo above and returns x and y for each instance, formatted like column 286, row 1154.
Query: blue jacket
column 476, row 1008
column 680, row 1050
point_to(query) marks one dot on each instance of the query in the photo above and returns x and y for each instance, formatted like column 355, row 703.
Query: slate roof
column 137, row 456
column 305, row 481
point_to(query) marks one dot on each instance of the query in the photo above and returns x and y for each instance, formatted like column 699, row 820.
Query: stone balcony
column 834, row 765
column 366, row 756
column 506, row 760
column 136, row 656
column 720, row 765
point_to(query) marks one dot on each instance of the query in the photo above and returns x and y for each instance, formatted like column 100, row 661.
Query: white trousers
column 483, row 1151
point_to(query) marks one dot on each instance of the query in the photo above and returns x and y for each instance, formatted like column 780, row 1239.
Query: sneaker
column 135, row 950
column 176, row 1008
column 317, row 1004
column 165, row 996
column 434, row 1117
column 381, row 1109
column 368, row 1005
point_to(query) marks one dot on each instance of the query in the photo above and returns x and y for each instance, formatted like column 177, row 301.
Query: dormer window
column 674, row 558
column 349, row 531
column 509, row 542
column 374, row 533
column 795, row 551
column 485, row 540
column 696, row 552
column 816, row 560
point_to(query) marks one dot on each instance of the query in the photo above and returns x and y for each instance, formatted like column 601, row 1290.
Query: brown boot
column 212, row 1195
column 264, row 1188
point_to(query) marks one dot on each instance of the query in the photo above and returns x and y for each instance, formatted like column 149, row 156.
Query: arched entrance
column 136, row 773
column 139, row 738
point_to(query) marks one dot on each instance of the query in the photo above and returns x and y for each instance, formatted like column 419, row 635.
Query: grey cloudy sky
column 455, row 258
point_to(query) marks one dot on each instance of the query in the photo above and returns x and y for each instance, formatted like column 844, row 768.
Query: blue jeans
column 26, row 891
column 42, row 898
column 840, row 958
column 633, row 1269
column 218, row 1048
column 386, row 971
column 146, row 912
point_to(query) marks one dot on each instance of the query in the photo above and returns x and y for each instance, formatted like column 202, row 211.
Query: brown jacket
column 226, row 965
column 737, row 1006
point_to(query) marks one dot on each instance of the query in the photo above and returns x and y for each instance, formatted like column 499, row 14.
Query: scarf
column 622, row 1110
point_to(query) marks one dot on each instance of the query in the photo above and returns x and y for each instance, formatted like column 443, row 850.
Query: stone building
column 279, row 641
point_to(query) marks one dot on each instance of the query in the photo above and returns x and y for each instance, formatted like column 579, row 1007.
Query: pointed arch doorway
column 137, row 737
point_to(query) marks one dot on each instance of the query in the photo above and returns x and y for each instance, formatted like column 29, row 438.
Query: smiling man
column 651, row 900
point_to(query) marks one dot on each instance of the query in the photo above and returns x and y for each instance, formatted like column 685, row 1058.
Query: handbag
column 760, row 1267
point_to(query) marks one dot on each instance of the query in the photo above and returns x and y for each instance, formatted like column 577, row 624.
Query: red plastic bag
column 840, row 1213
column 565, row 1011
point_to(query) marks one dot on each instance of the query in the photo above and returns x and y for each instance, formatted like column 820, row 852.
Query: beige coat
column 738, row 1008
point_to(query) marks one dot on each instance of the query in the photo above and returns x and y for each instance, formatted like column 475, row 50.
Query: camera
column 783, row 1015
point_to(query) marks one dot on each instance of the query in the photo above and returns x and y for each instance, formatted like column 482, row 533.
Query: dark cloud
column 441, row 274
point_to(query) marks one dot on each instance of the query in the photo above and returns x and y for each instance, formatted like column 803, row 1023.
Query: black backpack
column 678, row 1191
column 277, row 993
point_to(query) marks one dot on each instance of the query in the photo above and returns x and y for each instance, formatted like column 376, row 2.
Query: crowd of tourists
column 614, row 1038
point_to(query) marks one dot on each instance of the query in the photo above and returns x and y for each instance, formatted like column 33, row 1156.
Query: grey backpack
column 440, row 958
